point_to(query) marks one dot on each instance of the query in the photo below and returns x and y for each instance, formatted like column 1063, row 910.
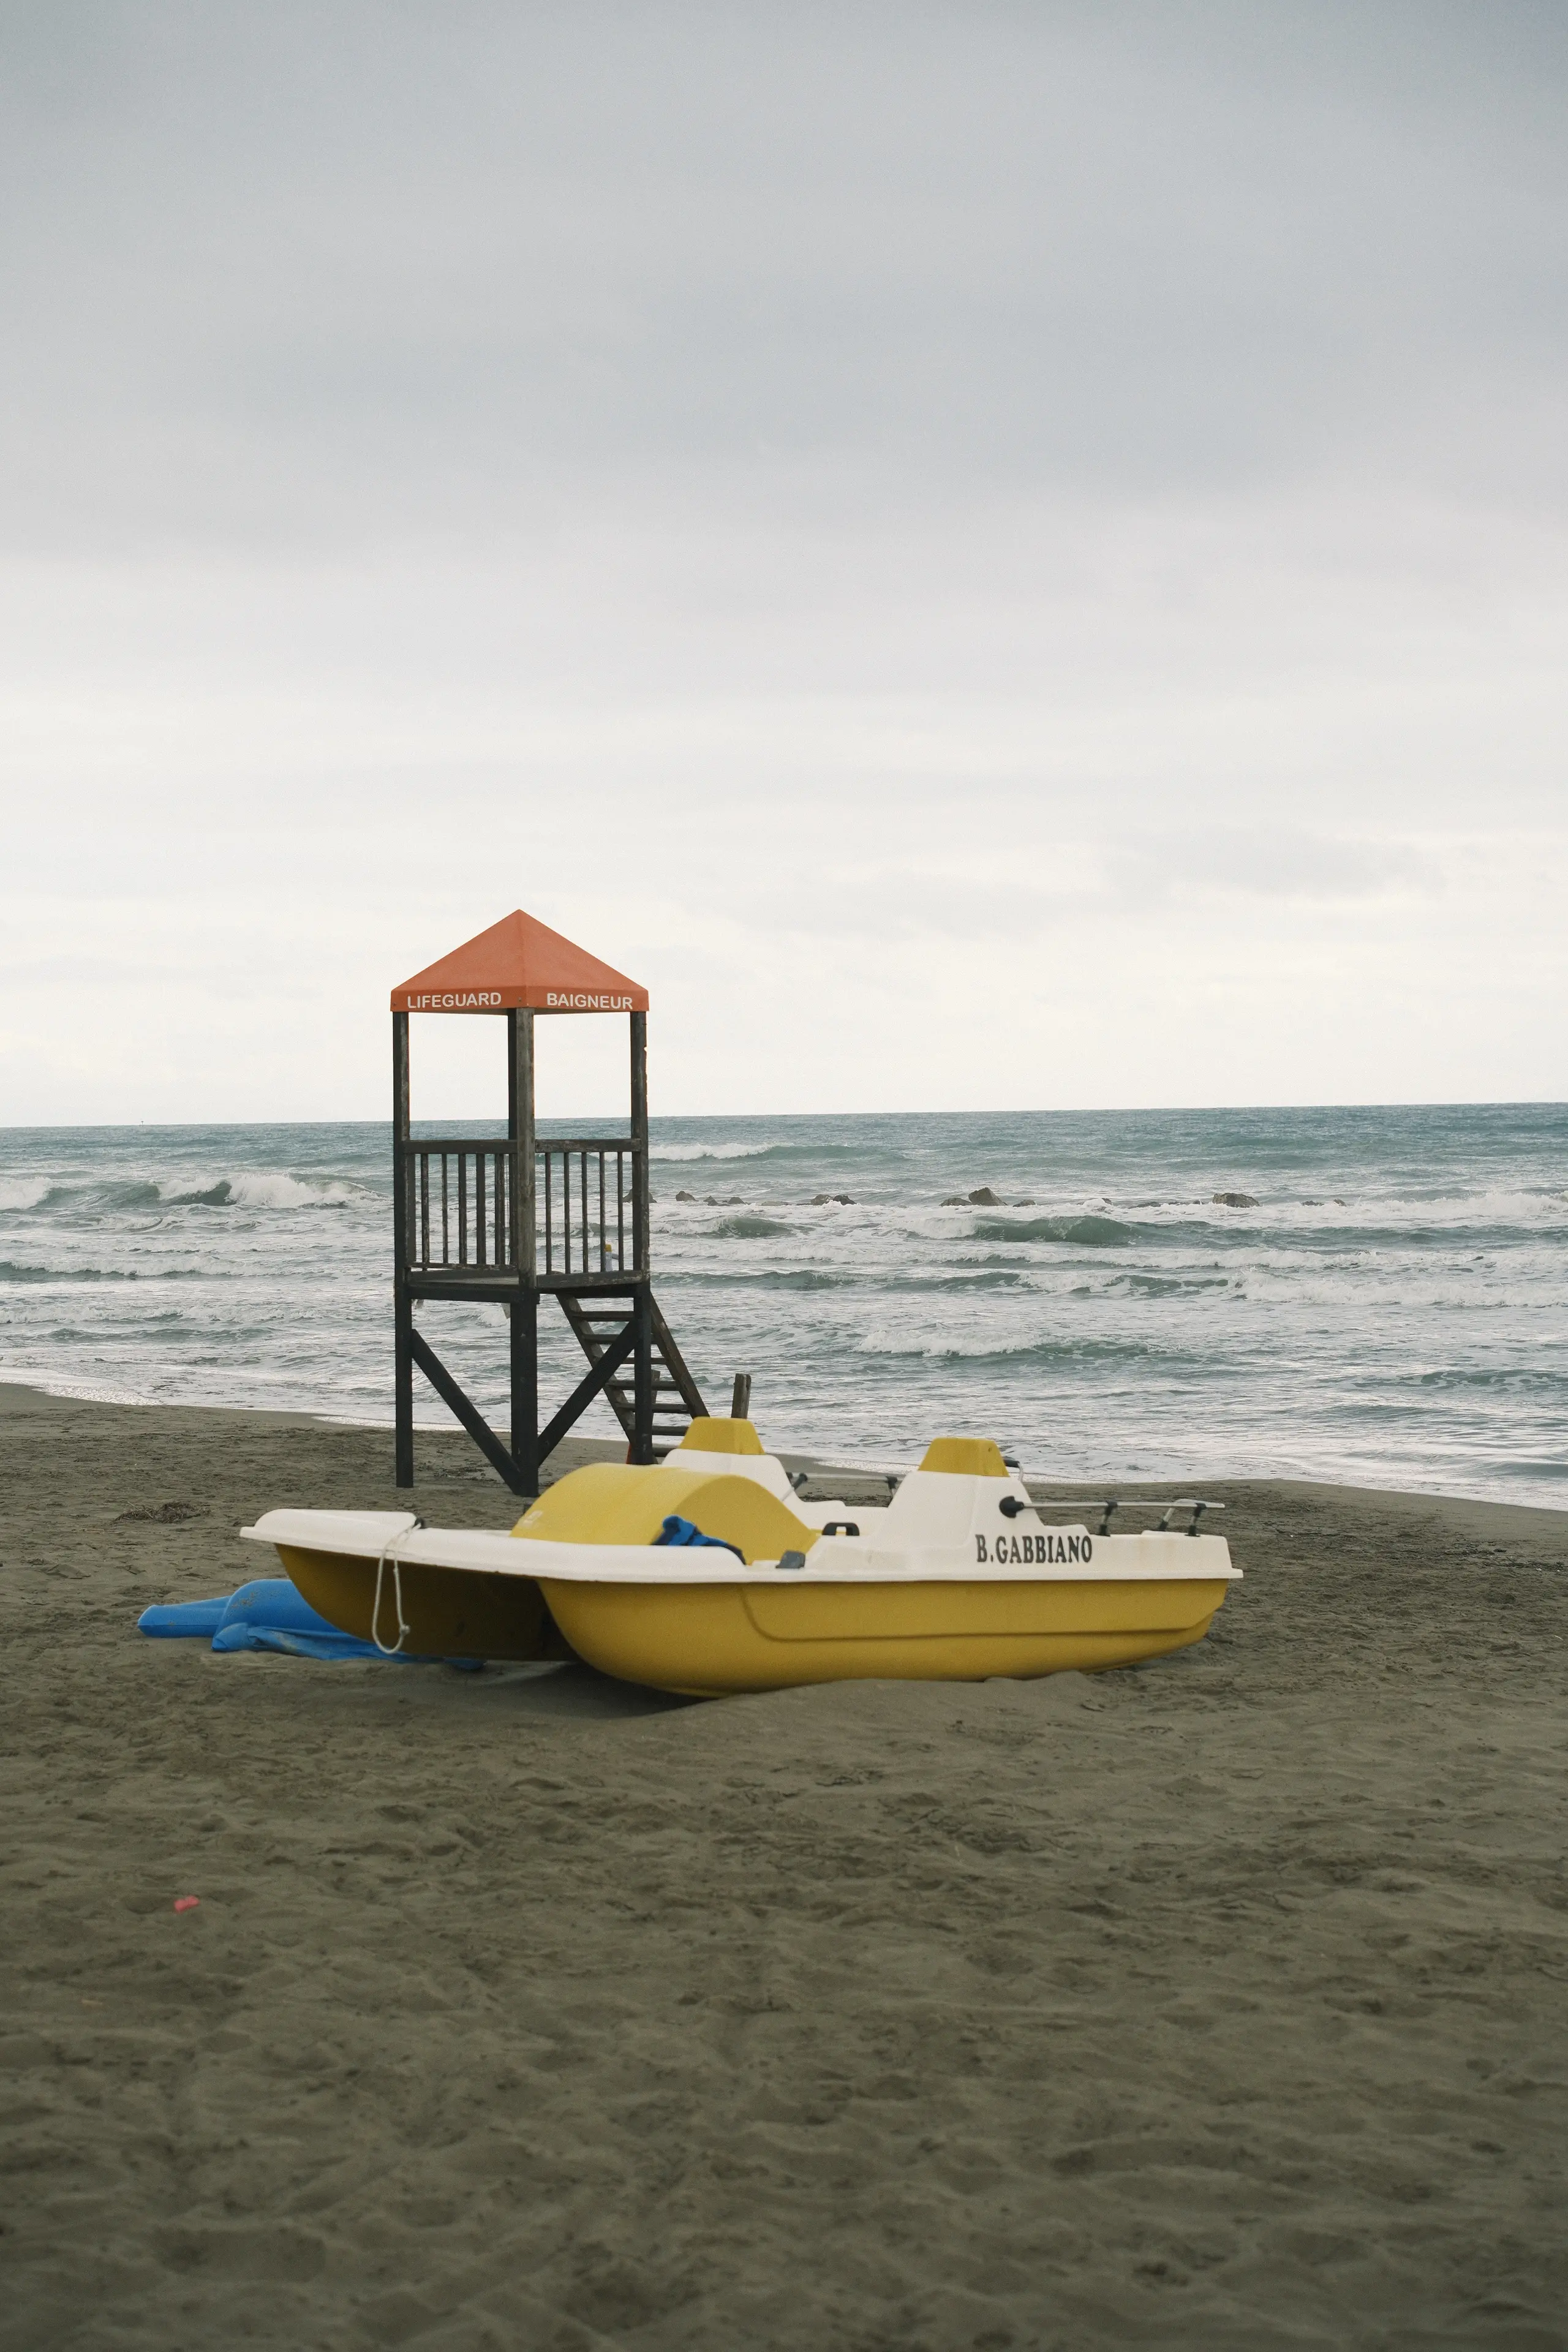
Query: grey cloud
column 306, row 274
column 1278, row 862
column 809, row 494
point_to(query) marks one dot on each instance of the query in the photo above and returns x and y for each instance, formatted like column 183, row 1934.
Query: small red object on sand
column 186, row 1902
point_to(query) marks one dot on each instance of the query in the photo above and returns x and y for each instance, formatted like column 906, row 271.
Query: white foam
column 710, row 1150
column 271, row 1188
column 23, row 1192
column 28, row 1376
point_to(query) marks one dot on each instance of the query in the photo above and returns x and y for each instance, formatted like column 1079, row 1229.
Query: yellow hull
column 450, row 1611
column 707, row 1641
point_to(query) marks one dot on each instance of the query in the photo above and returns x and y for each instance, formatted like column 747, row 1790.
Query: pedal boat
column 958, row 1577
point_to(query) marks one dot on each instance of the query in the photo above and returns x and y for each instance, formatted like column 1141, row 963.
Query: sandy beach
column 1222, row 2002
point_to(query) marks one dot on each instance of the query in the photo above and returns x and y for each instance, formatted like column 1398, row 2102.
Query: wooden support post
column 524, row 1343
column 640, row 1248
column 524, row 1336
column 642, row 1374
column 403, row 1382
column 402, row 1305
column 520, row 1128
column 643, row 1389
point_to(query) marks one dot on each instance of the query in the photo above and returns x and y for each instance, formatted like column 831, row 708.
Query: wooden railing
column 459, row 1206
column 584, row 1218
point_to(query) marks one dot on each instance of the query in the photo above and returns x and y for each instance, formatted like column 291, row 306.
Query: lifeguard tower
column 522, row 1218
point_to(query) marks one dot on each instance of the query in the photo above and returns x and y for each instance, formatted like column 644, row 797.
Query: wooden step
column 598, row 1327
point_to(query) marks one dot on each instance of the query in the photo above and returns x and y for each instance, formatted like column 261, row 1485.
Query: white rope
column 403, row 1630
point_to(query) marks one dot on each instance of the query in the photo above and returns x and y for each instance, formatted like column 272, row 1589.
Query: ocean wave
column 119, row 1193
column 872, row 1278
column 1407, row 1212
column 265, row 1188
column 1356, row 1239
column 1090, row 1233
column 689, row 1151
column 985, row 1350
column 991, row 1278
column 24, row 1192
column 1396, row 1216
column 1162, row 1286
column 762, row 1278
column 171, row 1328
column 747, row 1229
column 11, row 1271
column 809, row 1152
column 802, row 1278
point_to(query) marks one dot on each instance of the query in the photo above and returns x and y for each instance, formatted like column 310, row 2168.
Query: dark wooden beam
column 523, row 1348
column 642, row 1376
column 520, row 1123
column 403, row 1311
column 586, row 1390
column 465, row 1411
column 640, row 1233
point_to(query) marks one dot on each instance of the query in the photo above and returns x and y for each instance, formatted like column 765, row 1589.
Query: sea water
column 1393, row 1311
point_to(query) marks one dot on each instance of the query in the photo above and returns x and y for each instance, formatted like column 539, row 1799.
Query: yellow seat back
column 626, row 1503
column 707, row 1435
column 965, row 1457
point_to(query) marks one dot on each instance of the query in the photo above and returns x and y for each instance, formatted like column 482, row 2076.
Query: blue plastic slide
column 269, row 1614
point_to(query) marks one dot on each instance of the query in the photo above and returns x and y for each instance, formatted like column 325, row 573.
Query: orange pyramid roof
column 518, row 962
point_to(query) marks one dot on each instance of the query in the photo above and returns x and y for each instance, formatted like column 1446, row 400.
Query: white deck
column 866, row 1559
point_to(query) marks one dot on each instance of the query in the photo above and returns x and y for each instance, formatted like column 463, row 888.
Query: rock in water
column 1235, row 1199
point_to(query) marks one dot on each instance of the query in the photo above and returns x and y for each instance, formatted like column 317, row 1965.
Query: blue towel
column 248, row 1634
column 681, row 1531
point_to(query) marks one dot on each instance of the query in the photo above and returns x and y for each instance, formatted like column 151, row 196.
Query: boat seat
column 626, row 1503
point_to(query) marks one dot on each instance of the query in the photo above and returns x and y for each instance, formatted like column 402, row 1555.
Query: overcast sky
column 993, row 555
